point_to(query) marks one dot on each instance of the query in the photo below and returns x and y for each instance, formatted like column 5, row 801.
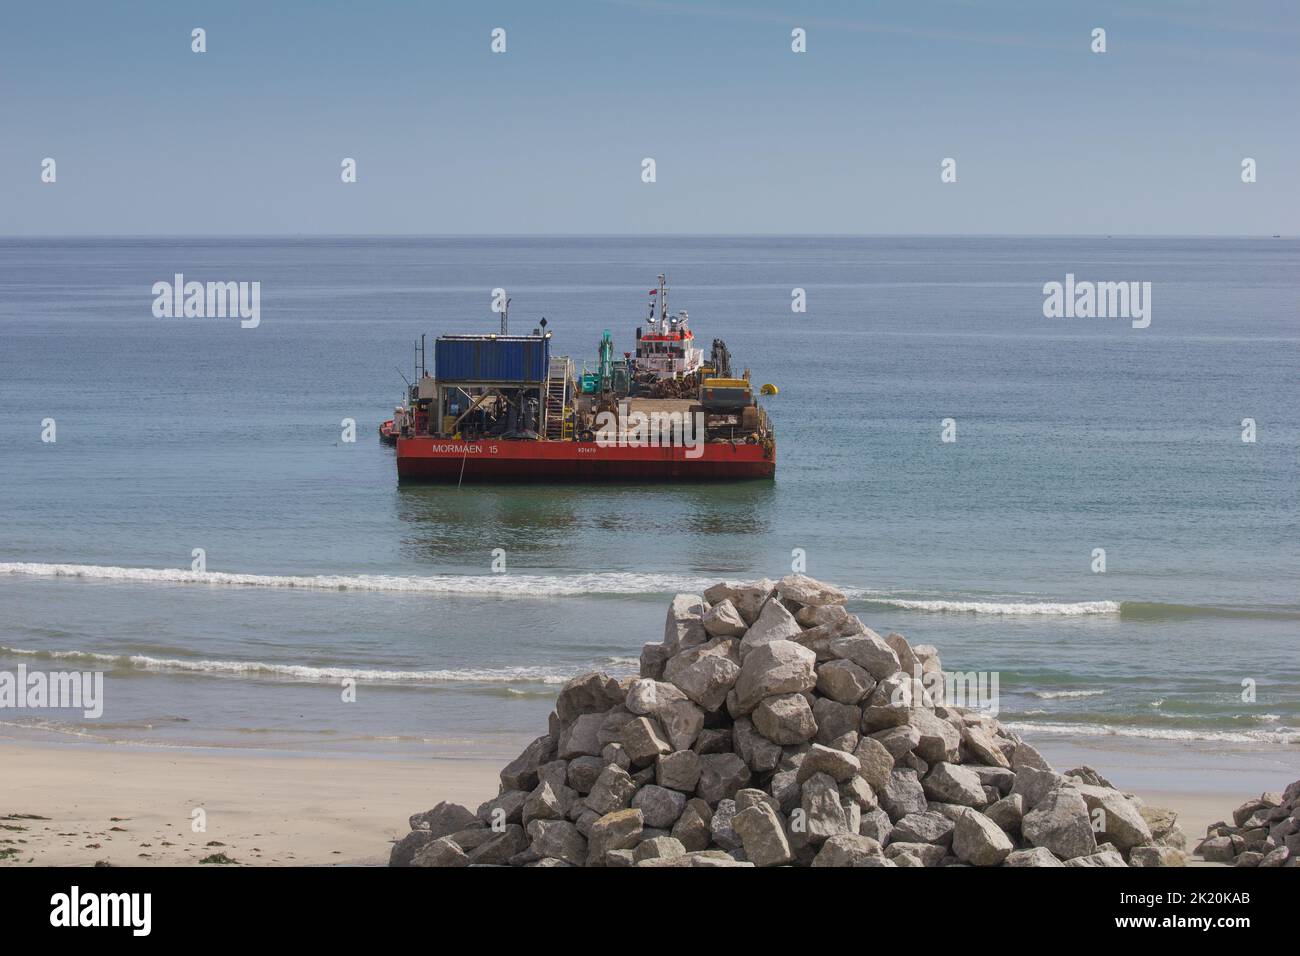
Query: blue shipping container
column 491, row 358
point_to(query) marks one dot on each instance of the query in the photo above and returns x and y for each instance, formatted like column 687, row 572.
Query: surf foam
column 521, row 585
column 307, row 672
column 1012, row 608
column 1282, row 735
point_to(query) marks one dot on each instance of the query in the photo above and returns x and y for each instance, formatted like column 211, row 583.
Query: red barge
column 425, row 458
column 502, row 408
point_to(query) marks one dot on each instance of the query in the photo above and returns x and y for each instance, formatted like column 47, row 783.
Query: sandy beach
column 133, row 806
column 130, row 806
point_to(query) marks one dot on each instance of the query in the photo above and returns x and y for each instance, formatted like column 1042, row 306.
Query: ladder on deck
column 559, row 424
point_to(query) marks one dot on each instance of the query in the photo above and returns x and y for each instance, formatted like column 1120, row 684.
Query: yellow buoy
column 768, row 389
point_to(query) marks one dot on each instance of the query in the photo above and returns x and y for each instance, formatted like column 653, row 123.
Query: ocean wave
column 1049, row 608
column 306, row 672
column 519, row 585
column 1064, row 694
column 1280, row 735
column 627, row 583
column 496, row 585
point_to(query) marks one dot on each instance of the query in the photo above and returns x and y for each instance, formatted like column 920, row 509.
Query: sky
column 747, row 136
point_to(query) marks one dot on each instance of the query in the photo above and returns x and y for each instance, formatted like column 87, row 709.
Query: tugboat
column 666, row 357
column 501, row 407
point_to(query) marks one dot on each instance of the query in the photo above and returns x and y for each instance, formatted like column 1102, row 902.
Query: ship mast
column 663, row 301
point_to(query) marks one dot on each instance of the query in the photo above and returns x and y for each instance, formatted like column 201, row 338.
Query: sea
column 1103, row 515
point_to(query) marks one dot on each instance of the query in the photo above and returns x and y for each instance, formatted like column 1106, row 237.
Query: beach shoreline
column 133, row 805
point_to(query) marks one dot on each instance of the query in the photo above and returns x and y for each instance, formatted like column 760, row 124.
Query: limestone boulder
column 979, row 841
column 848, row 850
column 1121, row 821
column 836, row 764
column 953, row 783
column 823, row 813
column 443, row 852
column 869, row 651
column 612, row 791
column 723, row 620
column 748, row 599
column 659, row 806
column 721, row 775
column 1060, row 823
column 807, row 591
column 777, row 667
column 902, row 794
column 705, row 673
column 521, row 773
column 678, row 770
column 785, row 719
column 875, row 762
column 644, row 741
column 684, row 626
column 558, row 839
column 774, row 623
column 759, row 753
column 590, row 693
column 844, row 681
column 443, row 819
column 762, row 835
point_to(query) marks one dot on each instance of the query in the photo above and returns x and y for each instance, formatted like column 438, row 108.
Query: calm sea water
column 1072, row 435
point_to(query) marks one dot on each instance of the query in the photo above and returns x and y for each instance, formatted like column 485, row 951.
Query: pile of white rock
column 771, row 728
column 1264, row 832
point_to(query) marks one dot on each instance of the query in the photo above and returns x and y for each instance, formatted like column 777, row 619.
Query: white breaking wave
column 1064, row 694
column 1051, row 608
column 1281, row 735
column 522, row 585
column 306, row 672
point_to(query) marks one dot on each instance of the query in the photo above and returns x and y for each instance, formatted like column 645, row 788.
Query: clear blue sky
column 1049, row 137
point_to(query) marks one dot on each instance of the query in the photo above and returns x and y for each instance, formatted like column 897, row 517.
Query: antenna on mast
column 505, row 318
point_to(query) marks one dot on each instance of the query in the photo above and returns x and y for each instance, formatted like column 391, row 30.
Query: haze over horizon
column 748, row 137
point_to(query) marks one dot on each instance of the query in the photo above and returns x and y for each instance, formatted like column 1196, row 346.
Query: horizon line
column 644, row 235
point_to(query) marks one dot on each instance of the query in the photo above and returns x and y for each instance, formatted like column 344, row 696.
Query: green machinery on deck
column 601, row 380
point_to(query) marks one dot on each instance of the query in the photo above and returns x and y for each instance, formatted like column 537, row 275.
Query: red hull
column 442, row 459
